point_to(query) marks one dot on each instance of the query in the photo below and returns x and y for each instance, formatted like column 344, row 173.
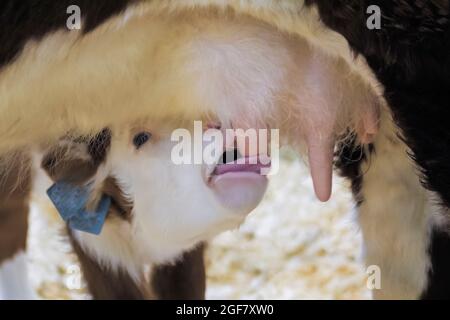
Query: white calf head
column 159, row 208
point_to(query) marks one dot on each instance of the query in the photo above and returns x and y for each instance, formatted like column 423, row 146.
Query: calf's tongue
column 238, row 167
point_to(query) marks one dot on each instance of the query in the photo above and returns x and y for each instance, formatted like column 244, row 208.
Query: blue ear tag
column 70, row 201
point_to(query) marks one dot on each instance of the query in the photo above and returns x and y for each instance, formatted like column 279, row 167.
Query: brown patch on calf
column 77, row 160
column 15, row 188
column 99, row 145
column 107, row 284
column 120, row 205
column 186, row 280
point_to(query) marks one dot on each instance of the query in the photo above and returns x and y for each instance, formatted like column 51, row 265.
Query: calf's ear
column 76, row 160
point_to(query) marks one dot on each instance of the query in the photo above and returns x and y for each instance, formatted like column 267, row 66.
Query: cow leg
column 14, row 207
column 395, row 213
column 186, row 280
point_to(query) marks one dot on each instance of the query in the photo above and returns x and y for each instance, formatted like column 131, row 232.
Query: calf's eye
column 141, row 138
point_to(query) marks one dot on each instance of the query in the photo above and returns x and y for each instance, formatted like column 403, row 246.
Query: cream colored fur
column 396, row 217
column 123, row 69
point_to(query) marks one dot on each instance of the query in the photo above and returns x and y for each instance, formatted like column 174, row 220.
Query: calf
column 158, row 210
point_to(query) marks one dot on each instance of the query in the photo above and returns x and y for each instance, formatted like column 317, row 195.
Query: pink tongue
column 235, row 167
